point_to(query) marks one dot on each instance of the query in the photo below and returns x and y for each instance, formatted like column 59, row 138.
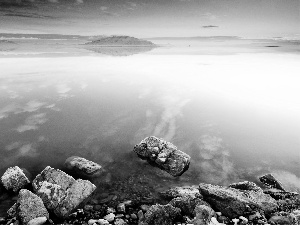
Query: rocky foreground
column 55, row 197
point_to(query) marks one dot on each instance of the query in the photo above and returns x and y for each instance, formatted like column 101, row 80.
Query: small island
column 120, row 41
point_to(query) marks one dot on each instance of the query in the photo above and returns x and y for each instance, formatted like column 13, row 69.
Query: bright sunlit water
column 236, row 115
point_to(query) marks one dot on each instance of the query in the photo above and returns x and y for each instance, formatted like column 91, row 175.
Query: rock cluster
column 60, row 192
column 163, row 155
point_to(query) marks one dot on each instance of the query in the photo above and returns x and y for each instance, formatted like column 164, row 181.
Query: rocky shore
column 56, row 197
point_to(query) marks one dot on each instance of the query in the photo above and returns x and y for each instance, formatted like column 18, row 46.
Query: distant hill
column 119, row 41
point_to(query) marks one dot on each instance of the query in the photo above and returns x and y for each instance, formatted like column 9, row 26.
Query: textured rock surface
column 83, row 167
column 279, row 194
column 204, row 214
column 187, row 205
column 270, row 181
column 37, row 221
column 30, row 206
column 246, row 186
column 192, row 191
column 60, row 192
column 160, row 215
column 234, row 202
column 164, row 155
column 14, row 179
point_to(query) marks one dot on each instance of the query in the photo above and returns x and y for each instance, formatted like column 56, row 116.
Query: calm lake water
column 234, row 107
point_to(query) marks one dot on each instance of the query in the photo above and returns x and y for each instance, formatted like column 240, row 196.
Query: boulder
column 236, row 202
column 60, row 192
column 160, row 215
column 29, row 207
column 14, row 179
column 270, row 181
column 204, row 214
column 175, row 192
column 83, row 167
column 163, row 155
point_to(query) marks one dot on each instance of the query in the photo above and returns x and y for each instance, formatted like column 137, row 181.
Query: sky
column 153, row 18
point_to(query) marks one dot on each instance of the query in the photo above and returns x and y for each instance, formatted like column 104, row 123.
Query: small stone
column 115, row 197
column 88, row 207
column 235, row 220
column 14, row 179
column 92, row 221
column 103, row 222
column 110, row 217
column 119, row 216
column 97, row 207
column 120, row 222
column 121, row 208
column 37, row 221
column 144, row 208
column 128, row 203
column 133, row 216
column 244, row 220
column 219, row 213
column 140, row 214
column 110, row 210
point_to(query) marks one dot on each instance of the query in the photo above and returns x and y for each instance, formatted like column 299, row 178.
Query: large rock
column 175, row 192
column 14, row 179
column 270, row 181
column 279, row 194
column 60, row 192
column 160, row 215
column 83, row 167
column 237, row 202
column 164, row 155
column 29, row 207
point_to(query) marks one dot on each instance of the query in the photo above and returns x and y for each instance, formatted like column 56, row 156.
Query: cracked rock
column 163, row 155
column 60, row 192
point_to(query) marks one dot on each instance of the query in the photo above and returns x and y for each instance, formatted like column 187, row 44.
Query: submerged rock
column 234, row 202
column 14, row 179
column 160, row 215
column 163, row 155
column 29, row 207
column 175, row 192
column 60, row 192
column 83, row 167
column 270, row 181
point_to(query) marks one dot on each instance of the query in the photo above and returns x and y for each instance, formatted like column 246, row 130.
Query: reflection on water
column 237, row 116
column 120, row 51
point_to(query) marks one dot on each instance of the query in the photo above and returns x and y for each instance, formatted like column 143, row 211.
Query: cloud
column 32, row 122
column 104, row 8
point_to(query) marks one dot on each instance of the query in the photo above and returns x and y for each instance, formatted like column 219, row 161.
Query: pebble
column 121, row 208
column 119, row 216
column 114, row 197
column 140, row 214
column 120, row 222
column 128, row 203
column 254, row 216
column 133, row 216
column 145, row 208
column 110, row 217
column 103, row 222
column 92, row 221
column 244, row 220
column 219, row 213
column 110, row 210
column 97, row 207
column 88, row 207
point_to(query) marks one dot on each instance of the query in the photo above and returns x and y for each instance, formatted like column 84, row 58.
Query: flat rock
column 279, row 194
column 235, row 202
column 60, row 192
column 175, row 192
column 270, row 181
column 160, row 215
column 163, row 155
column 30, row 207
column 14, row 179
column 83, row 167
column 246, row 186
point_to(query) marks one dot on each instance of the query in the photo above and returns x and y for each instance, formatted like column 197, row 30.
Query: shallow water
column 234, row 110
